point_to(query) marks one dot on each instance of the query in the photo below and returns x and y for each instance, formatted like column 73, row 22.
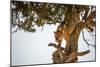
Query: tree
column 74, row 18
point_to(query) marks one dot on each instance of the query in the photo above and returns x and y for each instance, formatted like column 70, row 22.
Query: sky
column 32, row 48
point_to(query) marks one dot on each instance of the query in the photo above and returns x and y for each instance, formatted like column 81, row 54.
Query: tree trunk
column 61, row 55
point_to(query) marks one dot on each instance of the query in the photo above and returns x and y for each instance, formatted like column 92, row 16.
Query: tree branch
column 86, row 41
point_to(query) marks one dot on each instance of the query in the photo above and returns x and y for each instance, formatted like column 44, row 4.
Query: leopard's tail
column 83, row 53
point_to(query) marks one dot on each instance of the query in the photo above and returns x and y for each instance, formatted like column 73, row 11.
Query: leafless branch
column 91, row 35
column 86, row 41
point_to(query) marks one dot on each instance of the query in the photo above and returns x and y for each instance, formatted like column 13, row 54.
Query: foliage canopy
column 25, row 15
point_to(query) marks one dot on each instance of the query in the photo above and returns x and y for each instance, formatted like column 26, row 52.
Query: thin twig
column 86, row 41
column 91, row 35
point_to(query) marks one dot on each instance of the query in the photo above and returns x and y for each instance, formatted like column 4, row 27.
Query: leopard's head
column 58, row 36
